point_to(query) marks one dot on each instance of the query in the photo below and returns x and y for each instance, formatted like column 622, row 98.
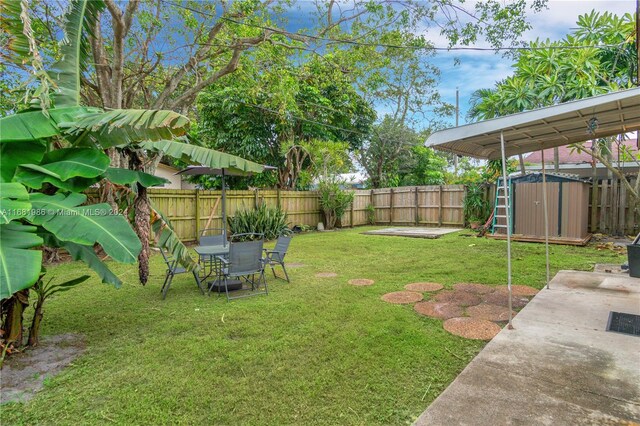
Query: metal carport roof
column 616, row 113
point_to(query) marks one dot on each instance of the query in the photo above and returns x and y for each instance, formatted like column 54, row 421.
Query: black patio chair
column 173, row 269
column 276, row 256
column 245, row 264
column 213, row 237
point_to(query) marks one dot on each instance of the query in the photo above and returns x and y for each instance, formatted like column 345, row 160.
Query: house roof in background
column 569, row 155
column 563, row 124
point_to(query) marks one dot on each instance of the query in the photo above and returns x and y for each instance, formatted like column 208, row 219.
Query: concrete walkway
column 558, row 367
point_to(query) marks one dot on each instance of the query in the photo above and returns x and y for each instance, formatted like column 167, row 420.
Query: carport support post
column 546, row 215
column 507, row 198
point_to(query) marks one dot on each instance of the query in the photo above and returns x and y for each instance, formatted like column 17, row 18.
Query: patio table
column 209, row 259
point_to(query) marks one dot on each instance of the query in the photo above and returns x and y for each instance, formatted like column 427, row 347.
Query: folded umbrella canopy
column 240, row 167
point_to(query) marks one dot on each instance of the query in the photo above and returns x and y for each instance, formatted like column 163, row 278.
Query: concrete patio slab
column 558, row 366
column 414, row 232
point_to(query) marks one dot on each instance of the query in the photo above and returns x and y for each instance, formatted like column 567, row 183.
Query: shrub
column 371, row 214
column 476, row 207
column 270, row 221
column 333, row 201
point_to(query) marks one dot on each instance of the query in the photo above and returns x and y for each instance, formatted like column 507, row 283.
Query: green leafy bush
column 476, row 207
column 270, row 221
column 371, row 214
column 333, row 201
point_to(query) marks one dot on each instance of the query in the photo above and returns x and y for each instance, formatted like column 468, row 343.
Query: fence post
column 417, row 208
column 373, row 204
column 278, row 201
column 440, row 205
column 197, row 213
column 255, row 198
column 622, row 223
column 390, row 206
column 352, row 203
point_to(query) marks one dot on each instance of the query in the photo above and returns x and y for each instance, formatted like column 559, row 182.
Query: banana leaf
column 19, row 266
column 14, row 202
column 34, row 125
column 194, row 154
column 124, row 126
column 68, row 220
column 85, row 254
column 78, row 28
column 130, row 177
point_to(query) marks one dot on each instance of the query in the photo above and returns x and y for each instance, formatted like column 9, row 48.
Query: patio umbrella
column 247, row 168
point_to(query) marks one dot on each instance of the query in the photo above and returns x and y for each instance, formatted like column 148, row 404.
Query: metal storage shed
column 567, row 209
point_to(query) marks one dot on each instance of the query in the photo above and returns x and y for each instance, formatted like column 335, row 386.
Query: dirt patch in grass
column 326, row 275
column 460, row 298
column 423, row 287
column 24, row 374
column 472, row 328
column 489, row 312
column 440, row 310
column 294, row 265
column 473, row 288
column 361, row 282
column 402, row 297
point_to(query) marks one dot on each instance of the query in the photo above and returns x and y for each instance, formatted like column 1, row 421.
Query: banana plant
column 54, row 150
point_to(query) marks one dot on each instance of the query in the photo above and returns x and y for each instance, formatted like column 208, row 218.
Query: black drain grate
column 620, row 322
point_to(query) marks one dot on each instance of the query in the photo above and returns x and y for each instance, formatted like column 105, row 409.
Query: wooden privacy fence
column 191, row 210
column 612, row 212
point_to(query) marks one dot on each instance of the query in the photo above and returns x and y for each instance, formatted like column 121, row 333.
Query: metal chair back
column 282, row 245
column 215, row 237
column 245, row 257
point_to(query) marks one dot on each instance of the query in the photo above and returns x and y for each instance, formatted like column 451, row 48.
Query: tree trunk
column 142, row 220
column 13, row 323
column 523, row 170
column 34, row 331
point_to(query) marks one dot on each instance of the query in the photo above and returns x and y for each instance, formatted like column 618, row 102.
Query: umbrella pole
column 507, row 190
column 546, row 215
column 224, row 209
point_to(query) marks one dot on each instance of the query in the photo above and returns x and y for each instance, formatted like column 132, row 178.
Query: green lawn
column 316, row 351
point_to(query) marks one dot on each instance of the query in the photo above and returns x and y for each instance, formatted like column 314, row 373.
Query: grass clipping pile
column 472, row 311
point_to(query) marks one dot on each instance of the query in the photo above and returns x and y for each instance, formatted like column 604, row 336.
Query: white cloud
column 482, row 69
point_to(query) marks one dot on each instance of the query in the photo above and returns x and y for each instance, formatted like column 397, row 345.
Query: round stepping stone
column 402, row 297
column 423, row 287
column 361, row 282
column 440, row 310
column 473, row 288
column 472, row 328
column 489, row 312
column 502, row 298
column 294, row 265
column 518, row 290
column 326, row 275
column 460, row 298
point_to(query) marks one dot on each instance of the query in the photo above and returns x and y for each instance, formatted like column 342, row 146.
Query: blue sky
column 478, row 70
